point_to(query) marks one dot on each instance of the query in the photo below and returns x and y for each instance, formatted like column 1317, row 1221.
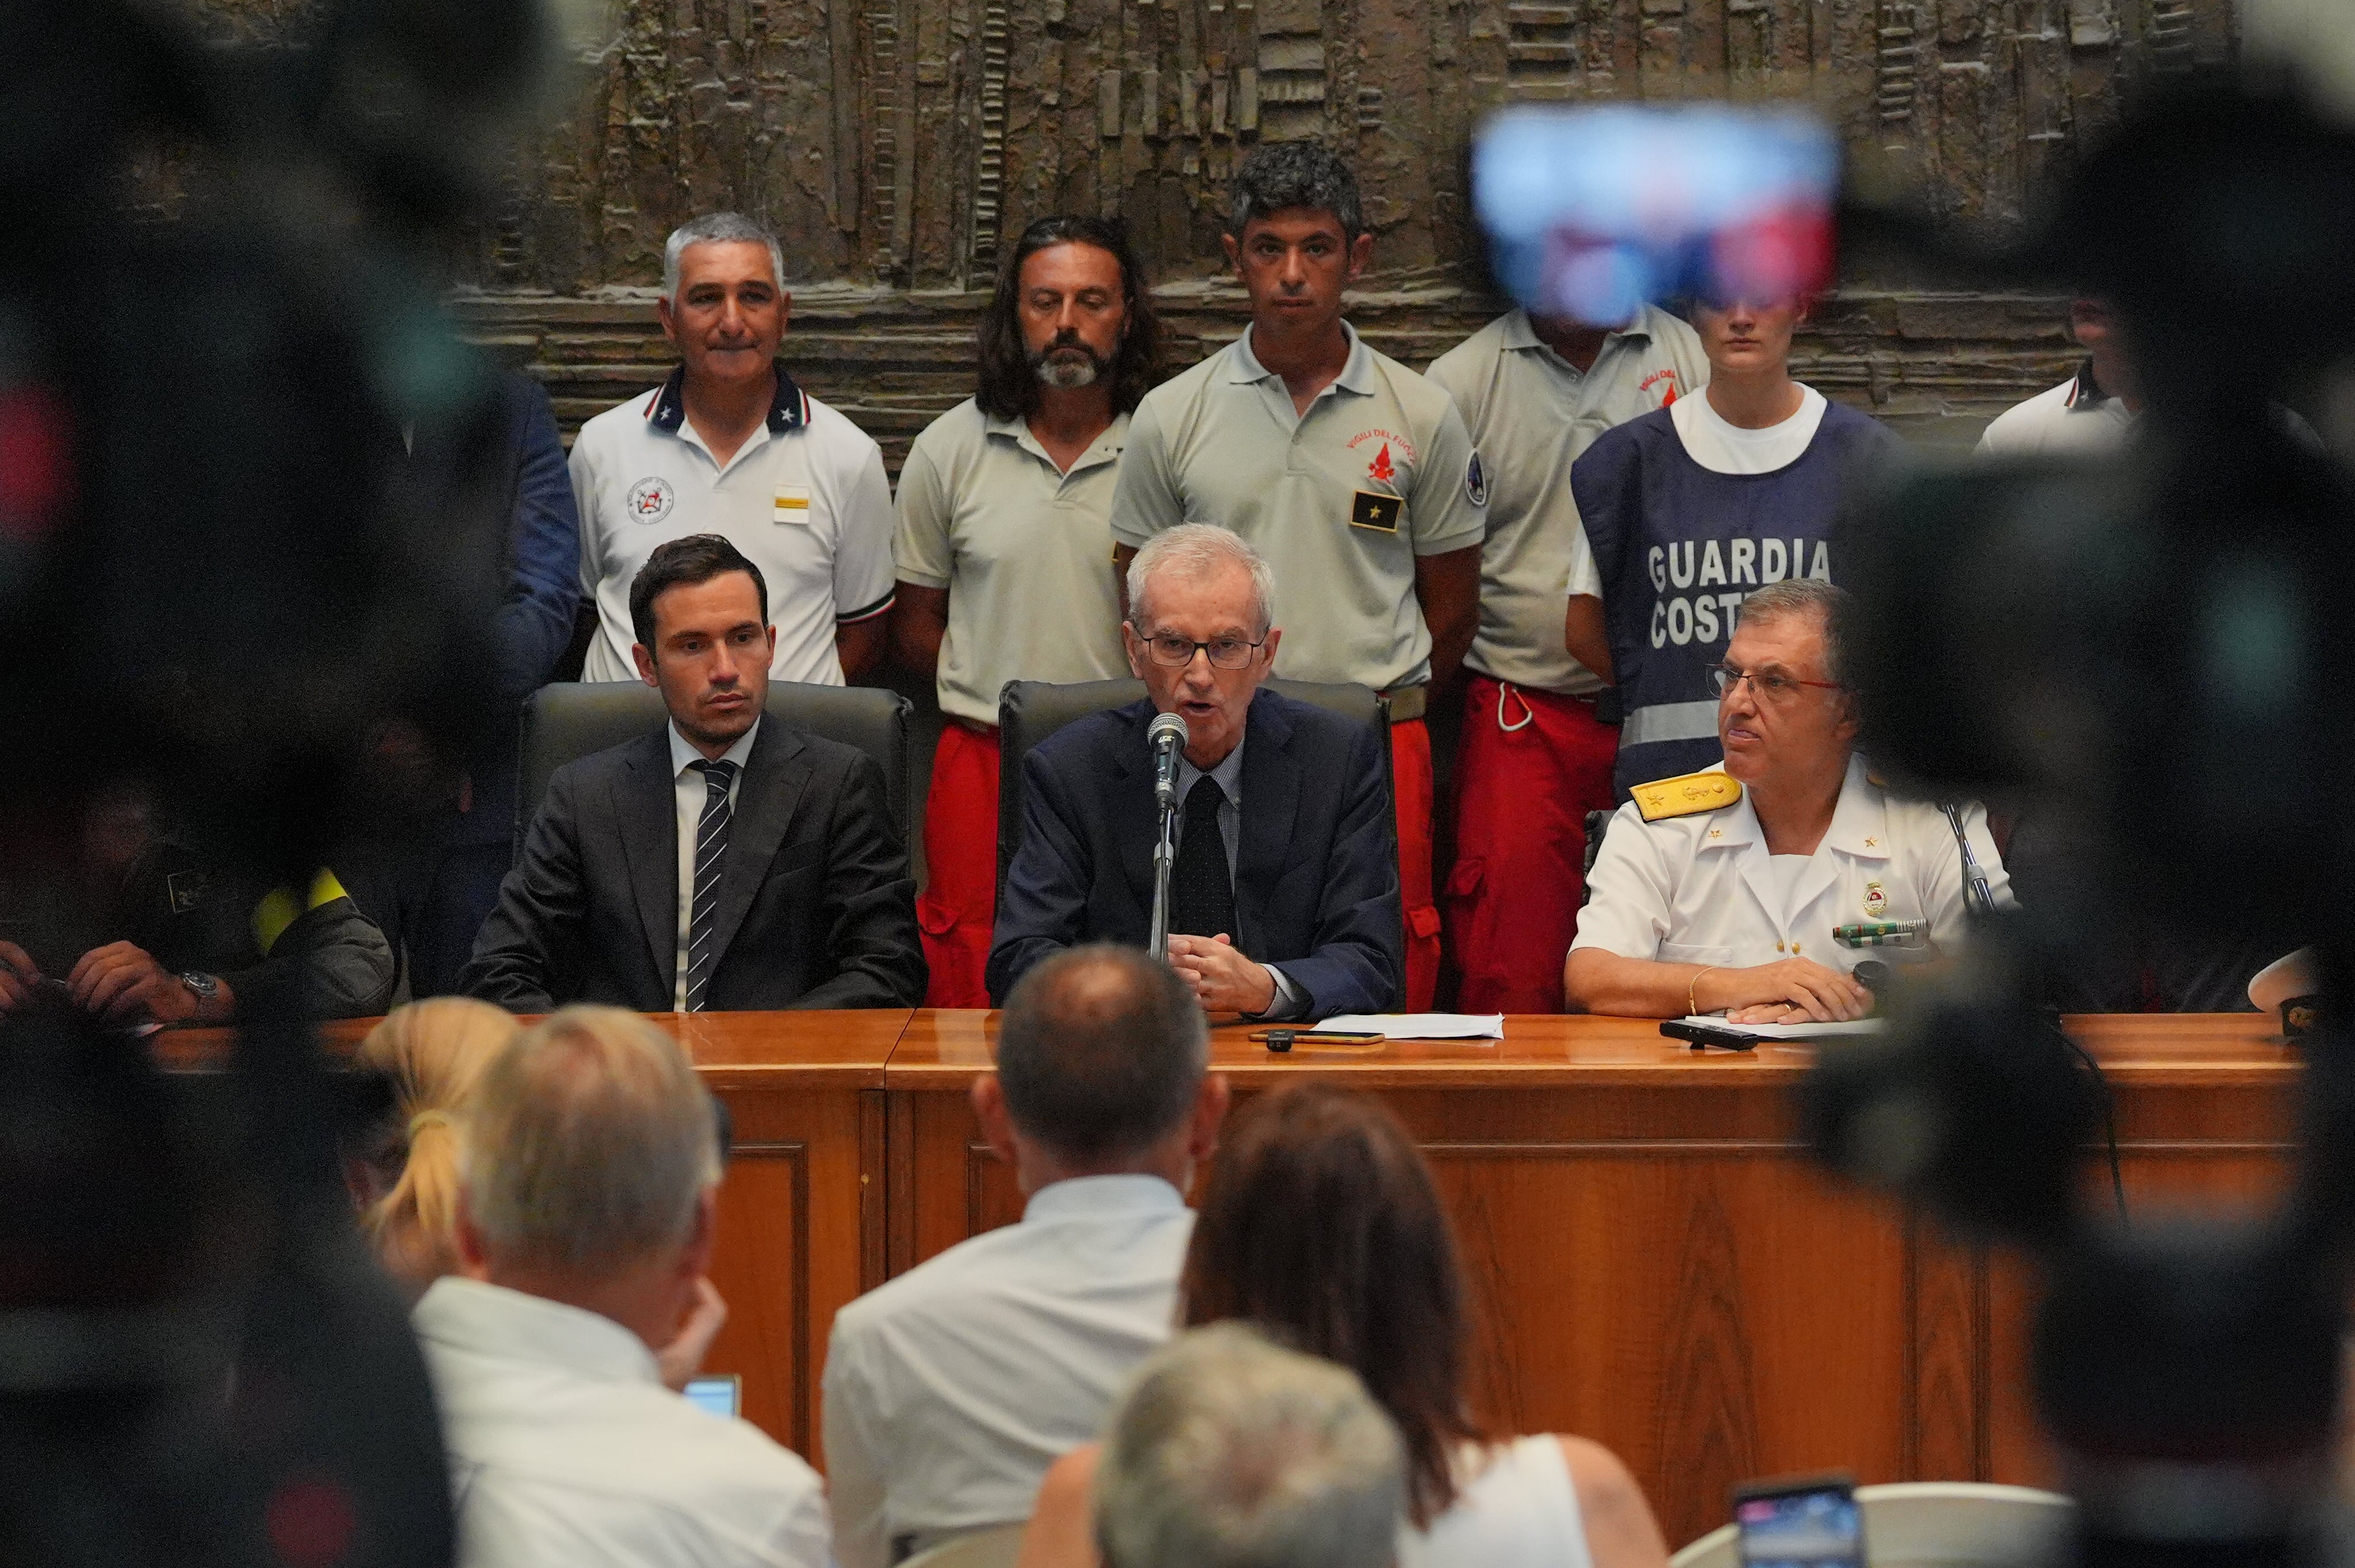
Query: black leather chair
column 1030, row 711
column 570, row 720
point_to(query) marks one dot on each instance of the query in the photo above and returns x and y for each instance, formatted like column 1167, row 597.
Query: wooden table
column 1654, row 1261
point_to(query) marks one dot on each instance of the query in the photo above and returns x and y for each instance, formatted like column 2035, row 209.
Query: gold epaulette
column 1687, row 793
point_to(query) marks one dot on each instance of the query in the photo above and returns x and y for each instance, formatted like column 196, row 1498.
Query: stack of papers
column 1789, row 1031
column 1419, row 1025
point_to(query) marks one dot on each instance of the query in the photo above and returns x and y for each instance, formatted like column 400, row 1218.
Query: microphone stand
column 1165, row 861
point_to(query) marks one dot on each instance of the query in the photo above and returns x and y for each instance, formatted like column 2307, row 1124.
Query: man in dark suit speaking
column 1285, row 896
column 726, row 860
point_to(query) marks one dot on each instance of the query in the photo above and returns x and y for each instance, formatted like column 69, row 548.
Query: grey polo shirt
column 1024, row 550
column 1340, row 500
column 1531, row 413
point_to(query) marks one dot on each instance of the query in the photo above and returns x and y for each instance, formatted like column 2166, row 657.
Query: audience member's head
column 2098, row 331
column 701, row 610
column 593, row 1156
column 432, row 1057
column 1200, row 631
column 1103, row 1067
column 1072, row 309
column 1784, row 715
column 1321, row 1221
column 724, row 305
column 1228, row 1451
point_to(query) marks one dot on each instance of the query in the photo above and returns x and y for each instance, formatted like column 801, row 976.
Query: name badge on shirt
column 793, row 504
column 1380, row 513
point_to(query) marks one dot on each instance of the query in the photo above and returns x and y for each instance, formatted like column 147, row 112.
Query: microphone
column 1167, row 735
column 1978, row 898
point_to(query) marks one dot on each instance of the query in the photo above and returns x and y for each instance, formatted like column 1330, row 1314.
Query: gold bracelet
column 1692, row 991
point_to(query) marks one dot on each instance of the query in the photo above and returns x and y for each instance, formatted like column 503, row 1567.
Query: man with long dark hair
column 1004, row 548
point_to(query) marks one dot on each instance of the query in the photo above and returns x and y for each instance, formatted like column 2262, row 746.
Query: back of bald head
column 1101, row 1053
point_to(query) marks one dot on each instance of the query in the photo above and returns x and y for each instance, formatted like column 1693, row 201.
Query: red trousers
column 1530, row 765
column 959, row 904
column 1412, row 791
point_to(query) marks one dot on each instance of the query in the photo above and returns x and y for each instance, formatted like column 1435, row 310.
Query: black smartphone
column 1700, row 1036
column 1800, row 1522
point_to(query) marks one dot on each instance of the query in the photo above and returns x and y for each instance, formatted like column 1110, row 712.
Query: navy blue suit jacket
column 1316, row 886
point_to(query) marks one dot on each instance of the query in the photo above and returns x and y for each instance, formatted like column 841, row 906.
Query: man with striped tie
column 725, row 862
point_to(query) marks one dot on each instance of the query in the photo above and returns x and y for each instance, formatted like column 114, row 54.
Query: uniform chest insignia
column 1686, row 794
column 1876, row 901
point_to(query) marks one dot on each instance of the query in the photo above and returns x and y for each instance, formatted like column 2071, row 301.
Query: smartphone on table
column 1801, row 1522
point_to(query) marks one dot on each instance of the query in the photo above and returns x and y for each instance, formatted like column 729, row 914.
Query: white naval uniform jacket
column 1702, row 889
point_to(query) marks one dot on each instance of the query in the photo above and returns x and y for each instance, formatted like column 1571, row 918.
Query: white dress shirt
column 689, row 792
column 1703, row 889
column 566, row 1450
column 950, row 1389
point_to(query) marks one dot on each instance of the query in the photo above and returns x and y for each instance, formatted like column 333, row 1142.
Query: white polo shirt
column 1530, row 413
column 566, row 1451
column 805, row 499
column 1024, row 549
column 951, row 1389
column 1341, row 500
column 1701, row 888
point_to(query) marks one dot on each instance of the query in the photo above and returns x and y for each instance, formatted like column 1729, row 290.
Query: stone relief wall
column 897, row 144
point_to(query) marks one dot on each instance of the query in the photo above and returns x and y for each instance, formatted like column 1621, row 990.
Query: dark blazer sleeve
column 874, row 955
column 542, row 908
column 1358, row 961
column 1043, row 907
column 535, row 623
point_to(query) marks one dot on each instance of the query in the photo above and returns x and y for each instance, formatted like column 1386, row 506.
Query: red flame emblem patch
column 1380, row 468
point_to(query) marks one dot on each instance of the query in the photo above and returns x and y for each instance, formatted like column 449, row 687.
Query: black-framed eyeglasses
column 1226, row 652
column 1771, row 686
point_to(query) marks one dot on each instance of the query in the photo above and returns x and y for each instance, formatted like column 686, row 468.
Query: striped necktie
column 710, row 860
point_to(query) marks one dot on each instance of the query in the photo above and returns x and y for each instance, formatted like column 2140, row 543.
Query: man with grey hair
column 1723, row 891
column 731, row 445
column 1229, row 1451
column 1354, row 474
column 1285, row 896
column 950, row 1391
column 591, row 1164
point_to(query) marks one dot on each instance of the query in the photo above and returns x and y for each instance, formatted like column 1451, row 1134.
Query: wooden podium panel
column 1654, row 1261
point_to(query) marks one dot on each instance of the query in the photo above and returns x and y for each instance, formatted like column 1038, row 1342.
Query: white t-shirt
column 1723, row 447
column 805, row 499
column 1518, row 1509
column 566, row 1451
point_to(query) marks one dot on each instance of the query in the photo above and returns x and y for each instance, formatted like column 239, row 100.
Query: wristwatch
column 204, row 987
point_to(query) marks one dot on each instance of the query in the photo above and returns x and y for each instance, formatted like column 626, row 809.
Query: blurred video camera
column 2138, row 653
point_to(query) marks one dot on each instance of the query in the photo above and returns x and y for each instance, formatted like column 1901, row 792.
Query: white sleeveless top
column 1518, row 1509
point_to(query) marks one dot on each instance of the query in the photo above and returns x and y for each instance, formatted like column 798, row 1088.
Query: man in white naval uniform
column 1719, row 891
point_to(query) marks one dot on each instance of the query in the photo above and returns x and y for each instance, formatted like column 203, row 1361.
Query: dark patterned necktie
column 710, row 860
column 1202, row 891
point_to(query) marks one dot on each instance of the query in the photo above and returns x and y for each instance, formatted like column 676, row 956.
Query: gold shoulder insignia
column 1687, row 793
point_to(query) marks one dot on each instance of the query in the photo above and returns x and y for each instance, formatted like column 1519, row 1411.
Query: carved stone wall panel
column 900, row 145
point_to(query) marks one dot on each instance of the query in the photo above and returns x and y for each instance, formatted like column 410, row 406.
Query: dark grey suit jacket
column 816, row 905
